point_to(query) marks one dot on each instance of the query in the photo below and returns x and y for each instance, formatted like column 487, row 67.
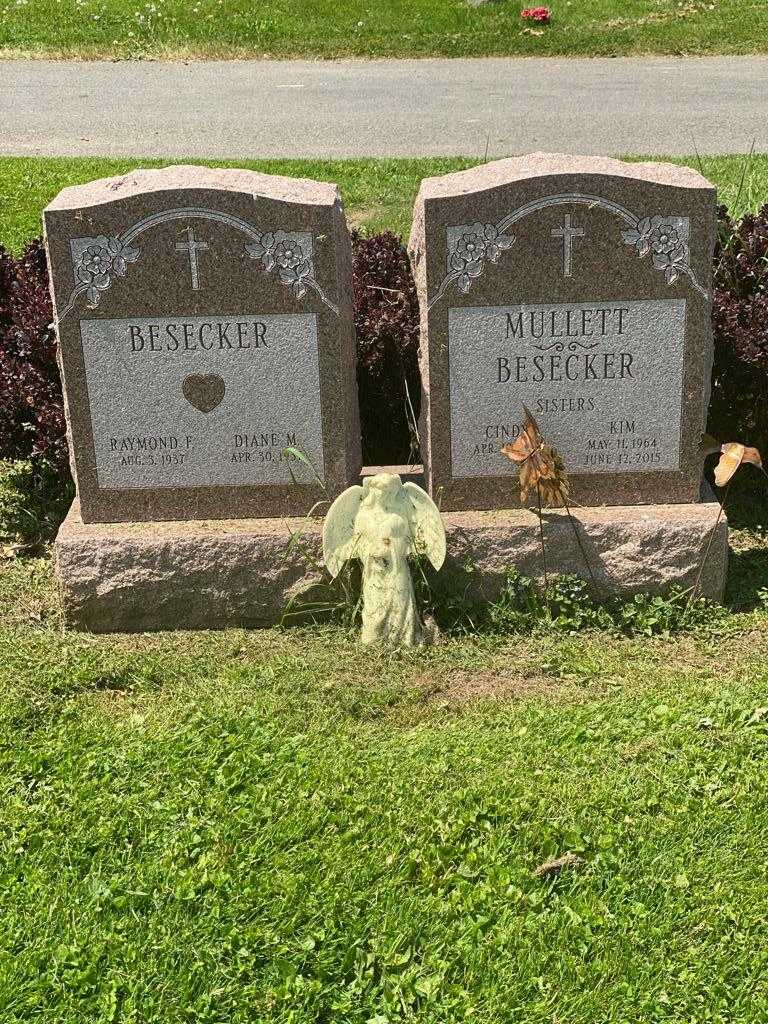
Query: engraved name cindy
column 565, row 324
column 213, row 335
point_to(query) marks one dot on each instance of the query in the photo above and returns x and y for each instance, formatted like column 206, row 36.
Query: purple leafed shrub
column 386, row 321
column 739, row 406
column 387, row 328
column 31, row 406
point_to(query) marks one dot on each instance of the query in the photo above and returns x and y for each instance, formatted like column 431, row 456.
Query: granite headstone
column 579, row 287
column 206, row 342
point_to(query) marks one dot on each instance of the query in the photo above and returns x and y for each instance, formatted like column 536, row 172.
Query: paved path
column 384, row 108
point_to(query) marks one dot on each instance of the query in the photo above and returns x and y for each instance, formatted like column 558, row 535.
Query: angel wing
column 426, row 524
column 339, row 529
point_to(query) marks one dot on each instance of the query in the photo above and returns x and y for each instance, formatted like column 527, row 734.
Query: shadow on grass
column 34, row 499
column 747, row 578
column 747, row 512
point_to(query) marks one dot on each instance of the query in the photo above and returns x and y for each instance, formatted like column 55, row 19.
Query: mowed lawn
column 378, row 194
column 363, row 28
column 277, row 827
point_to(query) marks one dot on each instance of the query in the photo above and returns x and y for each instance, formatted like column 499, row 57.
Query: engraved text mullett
column 563, row 353
column 567, row 323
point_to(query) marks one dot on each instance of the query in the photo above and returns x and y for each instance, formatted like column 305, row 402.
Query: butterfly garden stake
column 733, row 455
column 542, row 468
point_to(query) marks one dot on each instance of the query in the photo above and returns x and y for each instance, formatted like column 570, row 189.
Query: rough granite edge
column 542, row 165
column 192, row 176
column 139, row 577
column 150, row 531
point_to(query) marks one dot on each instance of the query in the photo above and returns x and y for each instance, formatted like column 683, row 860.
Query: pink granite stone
column 205, row 326
column 580, row 287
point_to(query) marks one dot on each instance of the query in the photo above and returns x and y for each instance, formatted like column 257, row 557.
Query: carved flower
column 288, row 253
column 655, row 234
column 476, row 244
column 660, row 236
column 295, row 277
column 99, row 261
column 284, row 251
column 664, row 238
column 471, row 246
column 276, row 248
column 96, row 261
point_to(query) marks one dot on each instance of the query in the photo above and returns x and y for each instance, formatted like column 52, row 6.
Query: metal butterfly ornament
column 541, row 468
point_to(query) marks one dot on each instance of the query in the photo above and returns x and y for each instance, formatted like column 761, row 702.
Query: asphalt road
column 384, row 108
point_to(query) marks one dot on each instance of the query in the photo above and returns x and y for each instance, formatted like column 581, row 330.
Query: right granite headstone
column 579, row 287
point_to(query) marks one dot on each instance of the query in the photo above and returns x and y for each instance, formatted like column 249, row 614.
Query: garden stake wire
column 575, row 529
column 712, row 532
column 543, row 548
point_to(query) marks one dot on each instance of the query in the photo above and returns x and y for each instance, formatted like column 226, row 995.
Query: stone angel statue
column 382, row 524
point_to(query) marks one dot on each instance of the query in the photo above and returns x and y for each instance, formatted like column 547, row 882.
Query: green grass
column 276, row 826
column 362, row 28
column 377, row 193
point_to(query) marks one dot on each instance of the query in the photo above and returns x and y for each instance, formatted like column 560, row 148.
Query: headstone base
column 134, row 577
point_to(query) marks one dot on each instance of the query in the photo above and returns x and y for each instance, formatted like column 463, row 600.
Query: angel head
column 384, row 491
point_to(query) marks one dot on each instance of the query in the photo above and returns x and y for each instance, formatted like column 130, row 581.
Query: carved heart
column 204, row 392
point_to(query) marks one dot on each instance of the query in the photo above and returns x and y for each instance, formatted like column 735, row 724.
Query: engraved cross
column 191, row 246
column 567, row 233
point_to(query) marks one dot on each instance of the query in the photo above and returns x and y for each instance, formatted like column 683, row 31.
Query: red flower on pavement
column 536, row 14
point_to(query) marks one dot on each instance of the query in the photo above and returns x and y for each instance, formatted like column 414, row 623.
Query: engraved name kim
column 589, row 370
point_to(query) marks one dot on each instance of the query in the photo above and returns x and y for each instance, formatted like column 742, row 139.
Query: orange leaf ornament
column 734, row 455
column 541, row 467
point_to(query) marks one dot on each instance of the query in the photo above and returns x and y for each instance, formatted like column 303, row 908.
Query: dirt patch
column 462, row 686
column 720, row 657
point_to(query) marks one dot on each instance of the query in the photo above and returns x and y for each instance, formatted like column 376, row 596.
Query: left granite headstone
column 206, row 337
